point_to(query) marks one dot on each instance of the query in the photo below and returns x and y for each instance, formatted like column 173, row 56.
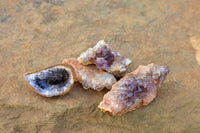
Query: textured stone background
column 35, row 34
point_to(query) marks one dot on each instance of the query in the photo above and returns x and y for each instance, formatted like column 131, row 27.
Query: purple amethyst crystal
column 105, row 58
column 136, row 89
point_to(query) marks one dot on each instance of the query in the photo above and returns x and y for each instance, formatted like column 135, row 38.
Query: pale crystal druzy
column 105, row 59
column 90, row 76
column 136, row 89
column 52, row 81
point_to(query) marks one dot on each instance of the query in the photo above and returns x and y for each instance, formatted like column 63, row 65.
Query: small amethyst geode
column 136, row 89
column 52, row 81
column 105, row 59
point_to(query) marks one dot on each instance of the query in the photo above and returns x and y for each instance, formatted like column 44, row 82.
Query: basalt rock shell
column 136, row 89
column 51, row 81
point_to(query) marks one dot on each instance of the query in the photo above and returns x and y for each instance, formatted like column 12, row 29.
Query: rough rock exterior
column 105, row 58
column 136, row 89
column 52, row 81
column 90, row 76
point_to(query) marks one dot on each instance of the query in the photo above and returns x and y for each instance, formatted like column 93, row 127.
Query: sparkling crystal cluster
column 136, row 89
column 105, row 59
column 90, row 76
column 97, row 68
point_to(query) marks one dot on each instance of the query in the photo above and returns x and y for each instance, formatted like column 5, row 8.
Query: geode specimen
column 105, row 59
column 90, row 76
column 136, row 89
column 52, row 81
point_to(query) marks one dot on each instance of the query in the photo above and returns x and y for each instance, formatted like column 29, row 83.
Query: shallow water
column 35, row 34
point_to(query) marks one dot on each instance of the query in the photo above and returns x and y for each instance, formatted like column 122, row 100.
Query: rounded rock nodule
column 51, row 81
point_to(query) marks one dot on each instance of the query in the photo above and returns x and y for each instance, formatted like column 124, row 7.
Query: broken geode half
column 136, row 89
column 52, row 81
column 105, row 59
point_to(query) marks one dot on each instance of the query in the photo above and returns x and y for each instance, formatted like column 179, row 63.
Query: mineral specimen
column 90, row 76
column 105, row 59
column 136, row 89
column 52, row 81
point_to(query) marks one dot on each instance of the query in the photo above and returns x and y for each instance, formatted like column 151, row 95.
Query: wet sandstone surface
column 35, row 34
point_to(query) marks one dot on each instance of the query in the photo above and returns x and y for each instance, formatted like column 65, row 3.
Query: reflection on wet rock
column 195, row 41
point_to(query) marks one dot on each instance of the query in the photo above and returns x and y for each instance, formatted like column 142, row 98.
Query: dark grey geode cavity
column 52, row 81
